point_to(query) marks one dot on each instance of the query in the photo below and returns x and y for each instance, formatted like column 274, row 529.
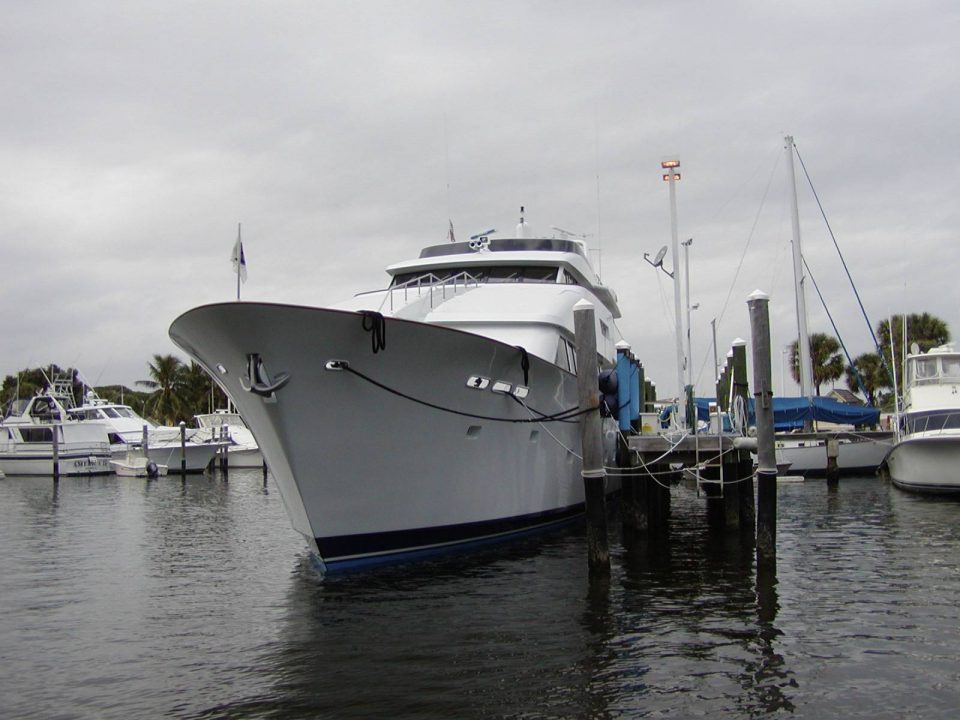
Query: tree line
column 174, row 390
column 872, row 374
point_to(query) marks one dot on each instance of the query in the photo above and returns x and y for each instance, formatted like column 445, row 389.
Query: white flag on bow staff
column 239, row 261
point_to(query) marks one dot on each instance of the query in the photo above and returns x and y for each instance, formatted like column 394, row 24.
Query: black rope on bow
column 374, row 324
column 524, row 364
column 562, row 416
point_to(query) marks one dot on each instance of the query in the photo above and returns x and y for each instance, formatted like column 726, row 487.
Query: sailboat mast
column 799, row 281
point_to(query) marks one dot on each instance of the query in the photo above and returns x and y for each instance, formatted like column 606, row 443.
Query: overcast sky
column 135, row 136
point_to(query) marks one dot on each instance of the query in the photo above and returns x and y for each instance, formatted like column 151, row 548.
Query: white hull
column 137, row 467
column 366, row 474
column 27, row 449
column 198, row 456
column 927, row 458
column 926, row 463
column 857, row 454
column 238, row 457
column 35, row 461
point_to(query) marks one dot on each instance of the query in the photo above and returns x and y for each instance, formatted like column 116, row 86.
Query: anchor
column 258, row 379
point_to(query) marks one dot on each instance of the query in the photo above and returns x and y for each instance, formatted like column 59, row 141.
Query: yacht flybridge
column 431, row 415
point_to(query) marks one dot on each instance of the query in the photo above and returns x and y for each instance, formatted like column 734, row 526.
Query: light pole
column 671, row 175
column 686, row 270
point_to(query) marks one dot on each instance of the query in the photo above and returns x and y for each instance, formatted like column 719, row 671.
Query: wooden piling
column 741, row 466
column 224, row 462
column 763, row 406
column 55, row 432
column 183, row 448
column 748, row 520
column 833, row 466
column 731, row 491
column 594, row 476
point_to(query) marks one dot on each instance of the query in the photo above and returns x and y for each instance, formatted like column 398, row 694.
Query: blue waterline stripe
column 365, row 550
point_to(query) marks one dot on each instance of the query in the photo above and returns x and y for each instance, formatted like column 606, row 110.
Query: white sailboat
column 859, row 452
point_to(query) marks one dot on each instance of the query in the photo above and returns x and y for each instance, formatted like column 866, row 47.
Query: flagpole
column 240, row 251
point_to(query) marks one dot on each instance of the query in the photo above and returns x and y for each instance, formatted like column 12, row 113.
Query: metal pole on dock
column 671, row 175
column 759, row 304
column 183, row 448
column 594, row 476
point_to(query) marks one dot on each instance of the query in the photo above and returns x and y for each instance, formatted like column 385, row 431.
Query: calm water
column 125, row 598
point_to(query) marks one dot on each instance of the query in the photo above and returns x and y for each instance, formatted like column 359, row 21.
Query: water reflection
column 193, row 598
column 527, row 630
column 705, row 618
column 478, row 635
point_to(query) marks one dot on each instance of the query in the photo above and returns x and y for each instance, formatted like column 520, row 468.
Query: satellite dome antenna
column 657, row 261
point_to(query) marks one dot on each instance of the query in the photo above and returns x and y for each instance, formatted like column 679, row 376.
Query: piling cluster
column 647, row 463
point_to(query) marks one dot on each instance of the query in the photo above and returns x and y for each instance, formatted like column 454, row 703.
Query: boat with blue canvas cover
column 429, row 416
column 861, row 449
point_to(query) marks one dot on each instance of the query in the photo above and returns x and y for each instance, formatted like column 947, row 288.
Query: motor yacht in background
column 163, row 443
column 226, row 426
column 435, row 414
column 926, row 457
column 38, row 433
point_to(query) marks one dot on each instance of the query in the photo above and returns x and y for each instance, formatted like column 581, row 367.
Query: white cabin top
column 510, row 260
column 938, row 366
column 519, row 291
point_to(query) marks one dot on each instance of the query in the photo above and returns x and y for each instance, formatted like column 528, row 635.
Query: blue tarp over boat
column 789, row 413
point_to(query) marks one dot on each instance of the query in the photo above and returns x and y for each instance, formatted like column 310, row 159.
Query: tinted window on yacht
column 484, row 274
column 506, row 245
column 566, row 355
column 36, row 434
column 932, row 421
column 83, row 414
column 951, row 367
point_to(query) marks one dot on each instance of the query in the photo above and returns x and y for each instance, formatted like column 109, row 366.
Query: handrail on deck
column 430, row 281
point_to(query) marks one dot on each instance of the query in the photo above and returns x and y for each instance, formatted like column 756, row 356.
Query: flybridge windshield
column 490, row 274
column 505, row 245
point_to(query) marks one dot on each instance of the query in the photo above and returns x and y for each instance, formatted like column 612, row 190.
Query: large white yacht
column 926, row 457
column 430, row 415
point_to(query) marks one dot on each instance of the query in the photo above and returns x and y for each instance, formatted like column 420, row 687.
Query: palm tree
column 200, row 392
column 167, row 382
column 872, row 373
column 926, row 330
column 824, row 356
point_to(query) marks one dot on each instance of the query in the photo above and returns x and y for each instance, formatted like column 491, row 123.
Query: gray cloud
column 343, row 136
